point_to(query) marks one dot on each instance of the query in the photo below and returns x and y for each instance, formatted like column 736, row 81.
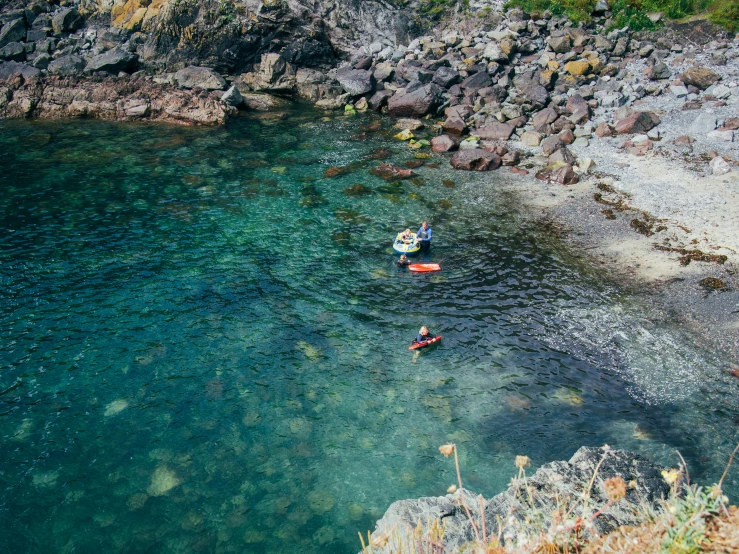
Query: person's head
column 425, row 225
column 407, row 232
column 424, row 330
column 402, row 257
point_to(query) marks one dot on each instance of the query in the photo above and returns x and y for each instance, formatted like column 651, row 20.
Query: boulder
column 551, row 144
column 603, row 130
column 725, row 135
column 113, row 61
column 719, row 166
column 577, row 102
column 536, row 95
column 355, row 81
column 379, row 99
column 562, row 156
column 638, row 122
column 557, row 485
column 263, row 102
column 699, row 77
column 454, row 126
column 67, row 65
column 408, row 123
column 443, row 143
column 199, row 77
column 13, row 31
column 544, row 117
column 531, row 138
column 445, row 77
column 11, row 68
column 232, row 97
column 475, row 159
column 66, row 21
column 560, row 45
column 383, row 71
column 418, row 103
column 275, row 74
column 14, row 51
column 579, row 67
column 476, row 81
column 495, row 131
column 659, row 71
column 558, row 174
column 494, row 53
column 567, row 136
column 704, row 123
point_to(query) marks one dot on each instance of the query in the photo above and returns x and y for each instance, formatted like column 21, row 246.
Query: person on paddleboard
column 424, row 235
column 424, row 334
column 403, row 261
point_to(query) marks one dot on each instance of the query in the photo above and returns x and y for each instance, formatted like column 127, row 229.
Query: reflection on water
column 204, row 340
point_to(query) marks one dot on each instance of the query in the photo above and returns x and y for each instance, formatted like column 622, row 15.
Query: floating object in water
column 424, row 268
column 424, row 343
column 408, row 248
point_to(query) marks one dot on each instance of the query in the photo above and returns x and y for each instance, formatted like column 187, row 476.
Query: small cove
column 204, row 340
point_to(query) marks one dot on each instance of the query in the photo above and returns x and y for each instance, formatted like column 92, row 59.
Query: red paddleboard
column 424, row 343
column 424, row 268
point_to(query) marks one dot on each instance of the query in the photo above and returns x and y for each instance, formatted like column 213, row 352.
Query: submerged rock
column 162, row 481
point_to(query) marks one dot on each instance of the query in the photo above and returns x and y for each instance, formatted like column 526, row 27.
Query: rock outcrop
column 554, row 486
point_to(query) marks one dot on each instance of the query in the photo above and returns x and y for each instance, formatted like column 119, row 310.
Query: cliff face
column 556, row 487
column 230, row 35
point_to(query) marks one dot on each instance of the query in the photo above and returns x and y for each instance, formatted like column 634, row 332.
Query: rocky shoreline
column 554, row 489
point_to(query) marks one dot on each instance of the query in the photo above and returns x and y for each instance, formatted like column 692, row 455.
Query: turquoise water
column 203, row 340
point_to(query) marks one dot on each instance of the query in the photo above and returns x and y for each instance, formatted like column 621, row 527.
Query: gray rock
column 704, row 123
column 659, row 71
column 10, row 68
column 14, row 31
column 232, row 97
column 379, row 99
column 355, row 81
column 113, row 61
column 418, row 103
column 199, row 77
column 14, row 51
column 445, row 77
column 475, row 82
column 537, row 95
column 67, row 20
column 555, row 486
column 722, row 135
column 67, row 65
column 551, row 144
column 560, row 44
column 42, row 61
column 34, row 35
column 562, row 156
column 383, row 71
column 679, row 91
column 494, row 53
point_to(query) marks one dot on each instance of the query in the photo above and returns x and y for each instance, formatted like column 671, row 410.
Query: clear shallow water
column 203, row 341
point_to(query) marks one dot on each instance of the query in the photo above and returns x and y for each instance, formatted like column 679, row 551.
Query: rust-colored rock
column 475, row 159
column 637, row 122
column 390, row 172
column 558, row 174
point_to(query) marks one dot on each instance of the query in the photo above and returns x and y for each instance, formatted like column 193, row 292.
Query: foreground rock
column 554, row 486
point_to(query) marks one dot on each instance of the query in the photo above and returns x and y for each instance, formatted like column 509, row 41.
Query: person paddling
column 424, row 235
column 424, row 335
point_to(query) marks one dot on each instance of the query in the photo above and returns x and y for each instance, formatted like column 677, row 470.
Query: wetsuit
column 423, row 338
column 406, row 263
column 424, row 235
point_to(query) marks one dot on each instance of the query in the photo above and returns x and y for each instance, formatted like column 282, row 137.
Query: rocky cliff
column 553, row 489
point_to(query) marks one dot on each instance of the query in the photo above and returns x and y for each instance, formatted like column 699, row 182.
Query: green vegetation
column 634, row 12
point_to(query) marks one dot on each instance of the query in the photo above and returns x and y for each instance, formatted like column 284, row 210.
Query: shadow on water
column 204, row 339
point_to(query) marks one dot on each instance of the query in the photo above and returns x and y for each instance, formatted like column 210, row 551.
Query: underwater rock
column 335, row 171
column 390, row 171
column 712, row 283
column 358, row 190
column 115, row 407
column 162, row 481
